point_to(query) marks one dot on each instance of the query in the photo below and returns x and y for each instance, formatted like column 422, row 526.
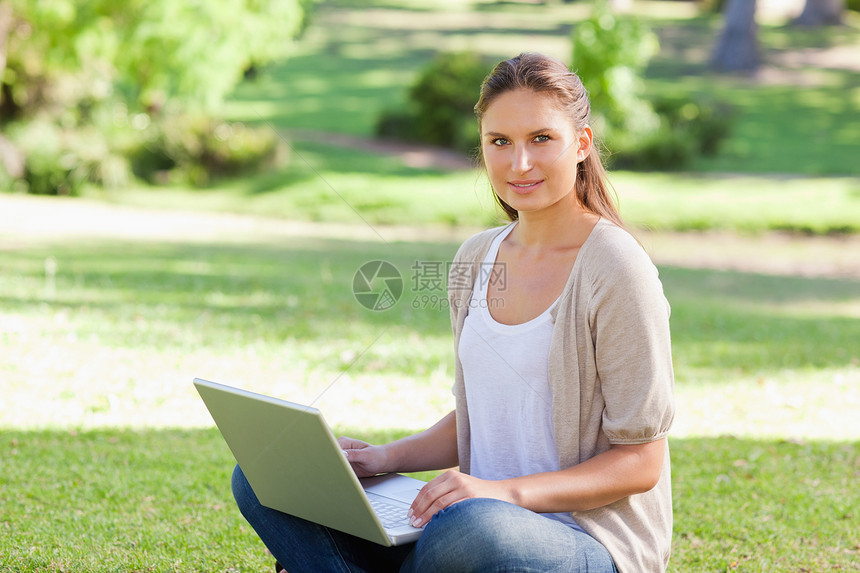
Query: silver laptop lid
column 291, row 459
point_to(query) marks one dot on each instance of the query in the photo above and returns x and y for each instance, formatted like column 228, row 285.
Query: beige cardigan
column 610, row 373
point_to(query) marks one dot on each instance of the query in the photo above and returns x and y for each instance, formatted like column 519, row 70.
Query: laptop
column 295, row 465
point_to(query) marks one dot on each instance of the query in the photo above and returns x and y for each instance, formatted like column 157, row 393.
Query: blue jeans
column 479, row 535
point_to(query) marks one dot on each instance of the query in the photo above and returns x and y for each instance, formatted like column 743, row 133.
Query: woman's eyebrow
column 541, row 131
column 530, row 134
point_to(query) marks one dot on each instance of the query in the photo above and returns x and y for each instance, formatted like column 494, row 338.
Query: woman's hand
column 451, row 487
column 366, row 460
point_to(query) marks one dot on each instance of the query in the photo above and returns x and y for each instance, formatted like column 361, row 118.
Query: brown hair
column 544, row 74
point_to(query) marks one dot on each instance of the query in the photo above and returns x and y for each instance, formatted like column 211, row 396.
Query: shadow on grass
column 130, row 500
column 131, row 293
column 747, row 322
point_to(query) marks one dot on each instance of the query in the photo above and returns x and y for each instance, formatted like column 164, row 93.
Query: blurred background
column 189, row 188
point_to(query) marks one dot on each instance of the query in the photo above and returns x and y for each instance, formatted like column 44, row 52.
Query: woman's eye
column 499, row 141
column 541, row 138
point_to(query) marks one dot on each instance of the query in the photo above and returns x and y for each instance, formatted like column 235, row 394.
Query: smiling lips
column 524, row 187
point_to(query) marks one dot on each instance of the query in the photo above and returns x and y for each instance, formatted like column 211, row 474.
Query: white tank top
column 507, row 387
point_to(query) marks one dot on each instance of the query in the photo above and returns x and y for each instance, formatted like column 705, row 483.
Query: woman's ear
column 586, row 139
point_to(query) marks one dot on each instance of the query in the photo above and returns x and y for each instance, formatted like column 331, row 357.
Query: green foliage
column 77, row 69
column 152, row 51
column 61, row 160
column 687, row 129
column 610, row 53
column 712, row 6
column 6, row 181
column 195, row 148
column 442, row 102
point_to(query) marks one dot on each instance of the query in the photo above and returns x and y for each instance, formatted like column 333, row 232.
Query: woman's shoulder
column 611, row 250
column 607, row 236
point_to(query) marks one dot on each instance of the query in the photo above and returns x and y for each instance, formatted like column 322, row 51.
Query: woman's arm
column 434, row 448
column 621, row 471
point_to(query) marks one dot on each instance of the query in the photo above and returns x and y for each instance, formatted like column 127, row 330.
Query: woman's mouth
column 523, row 187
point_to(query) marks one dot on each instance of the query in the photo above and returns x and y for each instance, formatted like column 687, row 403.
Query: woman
column 563, row 379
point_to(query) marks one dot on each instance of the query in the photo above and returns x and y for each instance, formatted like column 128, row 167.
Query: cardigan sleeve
column 629, row 323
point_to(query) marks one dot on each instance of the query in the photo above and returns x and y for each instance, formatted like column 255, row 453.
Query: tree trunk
column 821, row 13
column 737, row 47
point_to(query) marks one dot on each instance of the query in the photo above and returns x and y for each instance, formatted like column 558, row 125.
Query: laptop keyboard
column 391, row 515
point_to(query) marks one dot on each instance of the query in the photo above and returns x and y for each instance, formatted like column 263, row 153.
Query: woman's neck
column 560, row 226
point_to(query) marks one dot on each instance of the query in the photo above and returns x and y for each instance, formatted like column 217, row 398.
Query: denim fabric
column 303, row 546
column 480, row 535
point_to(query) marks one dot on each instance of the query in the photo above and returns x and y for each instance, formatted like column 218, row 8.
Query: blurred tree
column 821, row 13
column 11, row 160
column 737, row 48
column 149, row 50
column 86, row 83
column 5, row 26
column 609, row 53
column 441, row 107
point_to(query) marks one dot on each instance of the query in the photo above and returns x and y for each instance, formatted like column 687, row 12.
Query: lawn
column 326, row 183
column 159, row 500
column 111, row 464
column 108, row 309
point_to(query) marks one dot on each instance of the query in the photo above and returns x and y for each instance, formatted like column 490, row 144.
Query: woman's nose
column 522, row 160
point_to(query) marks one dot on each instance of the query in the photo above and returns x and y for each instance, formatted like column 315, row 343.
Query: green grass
column 798, row 117
column 96, row 361
column 97, row 365
column 159, row 500
column 756, row 505
column 327, row 183
column 123, row 501
column 185, row 296
column 790, row 163
column 285, row 306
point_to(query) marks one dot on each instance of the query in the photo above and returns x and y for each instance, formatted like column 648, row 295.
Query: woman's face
column 531, row 150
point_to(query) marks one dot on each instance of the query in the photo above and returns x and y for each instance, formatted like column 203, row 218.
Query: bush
column 7, row 182
column 196, row 149
column 59, row 161
column 441, row 104
column 687, row 129
column 74, row 68
column 708, row 123
column 397, row 124
column 610, row 53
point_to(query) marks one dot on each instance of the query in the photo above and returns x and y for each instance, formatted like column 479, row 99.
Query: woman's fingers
column 363, row 457
column 347, row 443
column 445, row 490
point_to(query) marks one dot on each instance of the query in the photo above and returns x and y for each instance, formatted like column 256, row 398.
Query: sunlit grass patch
column 159, row 500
